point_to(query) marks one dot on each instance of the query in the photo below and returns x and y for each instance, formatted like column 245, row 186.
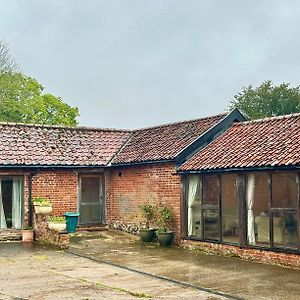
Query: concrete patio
column 32, row 271
column 233, row 276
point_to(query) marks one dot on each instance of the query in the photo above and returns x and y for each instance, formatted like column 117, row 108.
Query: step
column 10, row 235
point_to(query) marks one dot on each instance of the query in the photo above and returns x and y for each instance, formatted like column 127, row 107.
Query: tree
column 7, row 64
column 267, row 100
column 22, row 100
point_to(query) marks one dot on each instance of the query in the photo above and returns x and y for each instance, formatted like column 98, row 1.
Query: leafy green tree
column 267, row 100
column 22, row 100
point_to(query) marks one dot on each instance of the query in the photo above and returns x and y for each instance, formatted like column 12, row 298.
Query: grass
column 117, row 289
column 40, row 257
column 131, row 293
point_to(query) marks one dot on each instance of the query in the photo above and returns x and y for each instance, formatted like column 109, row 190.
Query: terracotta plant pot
column 57, row 226
column 45, row 210
column 147, row 235
column 166, row 238
column 27, row 235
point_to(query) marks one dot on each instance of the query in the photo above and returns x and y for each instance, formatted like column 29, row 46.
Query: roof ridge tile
column 268, row 119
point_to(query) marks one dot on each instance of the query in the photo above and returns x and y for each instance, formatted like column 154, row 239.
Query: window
column 230, row 213
column 271, row 208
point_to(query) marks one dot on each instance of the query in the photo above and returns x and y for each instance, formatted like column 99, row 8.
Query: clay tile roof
column 22, row 144
column 163, row 142
column 261, row 143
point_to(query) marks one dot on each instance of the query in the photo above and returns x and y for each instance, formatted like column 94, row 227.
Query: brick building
column 242, row 191
column 198, row 168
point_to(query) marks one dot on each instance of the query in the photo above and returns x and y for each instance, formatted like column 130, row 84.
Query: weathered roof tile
column 163, row 142
column 22, row 144
column 260, row 143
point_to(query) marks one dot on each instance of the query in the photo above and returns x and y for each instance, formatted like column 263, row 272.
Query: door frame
column 102, row 200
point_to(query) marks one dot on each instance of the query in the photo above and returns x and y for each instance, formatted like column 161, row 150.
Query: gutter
column 241, row 169
column 146, row 162
column 51, row 166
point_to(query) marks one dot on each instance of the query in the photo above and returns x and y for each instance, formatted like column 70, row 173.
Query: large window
column 230, row 213
column 285, row 196
column 267, row 205
column 210, row 207
column 258, row 219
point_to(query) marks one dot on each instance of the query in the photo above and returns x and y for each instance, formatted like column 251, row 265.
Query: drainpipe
column 30, row 199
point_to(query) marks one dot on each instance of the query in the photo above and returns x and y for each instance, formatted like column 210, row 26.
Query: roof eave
column 136, row 163
column 16, row 166
column 239, row 169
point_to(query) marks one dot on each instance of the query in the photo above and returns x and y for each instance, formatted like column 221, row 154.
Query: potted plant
column 27, row 234
column 36, row 203
column 148, row 211
column 57, row 223
column 164, row 234
column 45, row 207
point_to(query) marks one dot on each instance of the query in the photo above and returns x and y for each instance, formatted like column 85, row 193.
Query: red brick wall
column 263, row 256
column 60, row 187
column 128, row 187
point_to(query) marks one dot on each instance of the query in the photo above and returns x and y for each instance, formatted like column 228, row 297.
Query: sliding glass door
column 11, row 202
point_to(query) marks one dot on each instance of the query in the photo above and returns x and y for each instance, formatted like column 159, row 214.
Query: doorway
column 91, row 200
column 11, row 203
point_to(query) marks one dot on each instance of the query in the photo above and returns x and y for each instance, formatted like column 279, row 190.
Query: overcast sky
column 136, row 63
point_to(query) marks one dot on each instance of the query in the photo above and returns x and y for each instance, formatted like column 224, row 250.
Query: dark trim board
column 37, row 167
column 241, row 170
column 208, row 136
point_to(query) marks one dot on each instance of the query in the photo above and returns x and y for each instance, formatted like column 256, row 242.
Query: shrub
column 57, row 219
column 165, row 219
column 148, row 212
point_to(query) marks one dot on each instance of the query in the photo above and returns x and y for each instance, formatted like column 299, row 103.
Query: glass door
column 11, row 204
column 91, row 200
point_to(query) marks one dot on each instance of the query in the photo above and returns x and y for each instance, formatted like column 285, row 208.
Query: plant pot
column 45, row 210
column 166, row 238
column 72, row 220
column 57, row 226
column 36, row 208
column 147, row 235
column 27, row 235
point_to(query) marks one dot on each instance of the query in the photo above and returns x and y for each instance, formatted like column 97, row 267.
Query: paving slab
column 32, row 271
column 233, row 276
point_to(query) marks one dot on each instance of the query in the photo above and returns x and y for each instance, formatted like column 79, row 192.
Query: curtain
column 2, row 215
column 192, row 190
column 250, row 201
column 16, row 205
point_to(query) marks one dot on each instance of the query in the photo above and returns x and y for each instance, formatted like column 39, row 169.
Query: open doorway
column 11, row 203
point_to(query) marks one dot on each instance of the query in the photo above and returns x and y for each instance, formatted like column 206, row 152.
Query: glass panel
column 285, row 230
column 89, row 214
column 210, row 190
column 6, row 189
column 259, row 209
column 11, row 203
column 90, row 190
column 284, row 190
column 210, row 223
column 90, row 206
column 230, row 217
column 194, row 194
